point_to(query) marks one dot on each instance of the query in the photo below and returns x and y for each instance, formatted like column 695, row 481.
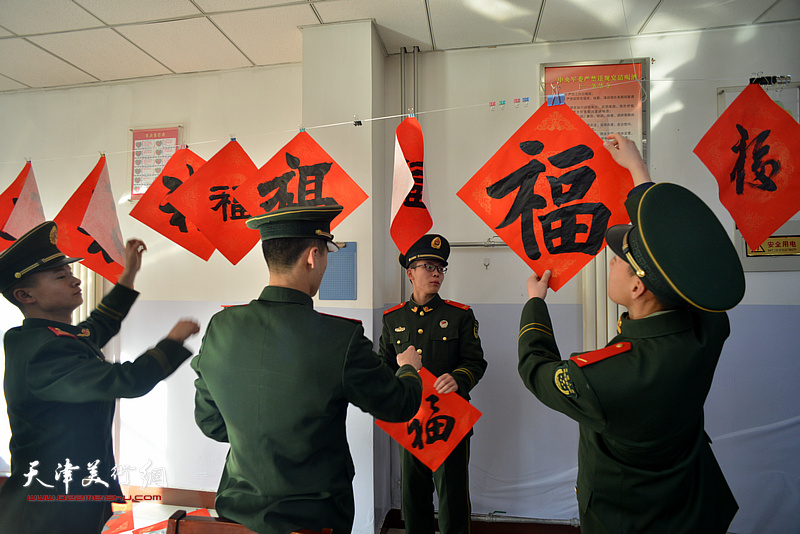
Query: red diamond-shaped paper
column 568, row 234
column 438, row 427
column 752, row 151
column 210, row 201
column 300, row 174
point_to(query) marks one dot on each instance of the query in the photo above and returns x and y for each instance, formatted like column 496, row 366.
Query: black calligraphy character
column 439, row 427
column 759, row 151
column 7, row 236
column 526, row 200
column 178, row 219
column 283, row 197
column 237, row 211
column 414, row 426
column 414, row 197
column 561, row 227
column 95, row 247
column 309, row 185
column 577, row 181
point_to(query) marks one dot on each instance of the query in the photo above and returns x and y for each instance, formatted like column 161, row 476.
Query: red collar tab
column 394, row 308
column 588, row 358
column 457, row 304
column 61, row 333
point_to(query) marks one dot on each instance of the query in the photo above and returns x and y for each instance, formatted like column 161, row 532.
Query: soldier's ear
column 23, row 295
column 312, row 257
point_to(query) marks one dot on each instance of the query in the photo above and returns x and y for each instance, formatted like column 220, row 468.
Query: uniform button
column 419, row 351
column 444, row 338
column 419, row 331
column 398, row 341
column 421, row 314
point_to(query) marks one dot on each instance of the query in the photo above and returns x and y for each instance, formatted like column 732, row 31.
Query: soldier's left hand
column 445, row 384
column 133, row 261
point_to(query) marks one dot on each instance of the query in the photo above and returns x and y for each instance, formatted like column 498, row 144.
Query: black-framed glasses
column 430, row 268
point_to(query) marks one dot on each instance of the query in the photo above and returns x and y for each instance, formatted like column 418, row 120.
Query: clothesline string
column 351, row 123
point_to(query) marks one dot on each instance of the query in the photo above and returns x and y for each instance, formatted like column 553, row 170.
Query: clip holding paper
column 232, row 136
column 302, row 128
column 411, row 113
column 492, row 105
column 555, row 100
column 356, row 121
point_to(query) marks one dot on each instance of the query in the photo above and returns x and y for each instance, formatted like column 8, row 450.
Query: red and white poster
column 152, row 149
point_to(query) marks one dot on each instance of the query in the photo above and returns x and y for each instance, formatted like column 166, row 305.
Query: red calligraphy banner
column 300, row 174
column 155, row 210
column 438, row 427
column 121, row 519
column 88, row 226
column 20, row 208
column 210, row 200
column 752, row 150
column 410, row 218
column 550, row 192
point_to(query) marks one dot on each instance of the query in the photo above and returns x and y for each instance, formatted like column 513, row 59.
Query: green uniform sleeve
column 68, row 369
column 373, row 387
column 206, row 413
column 559, row 384
column 471, row 364
column 105, row 320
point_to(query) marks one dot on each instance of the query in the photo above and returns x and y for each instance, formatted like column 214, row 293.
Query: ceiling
column 61, row 43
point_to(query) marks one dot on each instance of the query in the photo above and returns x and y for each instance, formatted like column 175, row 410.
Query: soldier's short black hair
column 29, row 281
column 282, row 253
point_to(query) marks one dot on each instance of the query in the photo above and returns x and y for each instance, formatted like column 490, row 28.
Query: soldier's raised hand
column 410, row 356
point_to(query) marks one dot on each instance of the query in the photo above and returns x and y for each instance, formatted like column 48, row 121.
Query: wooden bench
column 180, row 523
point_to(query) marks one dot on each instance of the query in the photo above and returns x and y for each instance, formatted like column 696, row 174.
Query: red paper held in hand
column 438, row 427
column 155, row 210
column 550, row 192
column 300, row 174
column 752, row 151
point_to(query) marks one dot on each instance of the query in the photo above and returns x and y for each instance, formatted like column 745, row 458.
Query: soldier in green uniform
column 61, row 392
column 275, row 379
column 446, row 335
column 644, row 460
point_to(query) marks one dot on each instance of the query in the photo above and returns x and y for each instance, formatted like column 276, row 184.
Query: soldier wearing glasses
column 446, row 335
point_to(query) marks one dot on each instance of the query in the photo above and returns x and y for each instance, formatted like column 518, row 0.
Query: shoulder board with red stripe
column 457, row 304
column 356, row 321
column 61, row 333
column 394, row 308
column 588, row 358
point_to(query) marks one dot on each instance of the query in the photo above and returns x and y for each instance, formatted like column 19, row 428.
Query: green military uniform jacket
column 644, row 460
column 445, row 332
column 60, row 392
column 274, row 380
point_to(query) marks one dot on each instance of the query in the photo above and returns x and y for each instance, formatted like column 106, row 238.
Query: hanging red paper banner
column 210, row 200
column 410, row 218
column 20, row 208
column 550, row 192
column 155, row 210
column 88, row 226
column 438, row 427
column 752, row 150
column 300, row 174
